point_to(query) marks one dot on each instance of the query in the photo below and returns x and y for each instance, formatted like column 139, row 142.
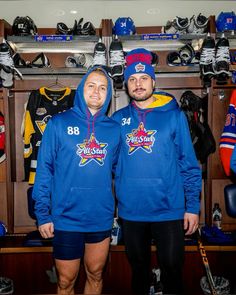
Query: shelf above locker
column 149, row 42
column 52, row 71
column 27, row 44
column 160, row 70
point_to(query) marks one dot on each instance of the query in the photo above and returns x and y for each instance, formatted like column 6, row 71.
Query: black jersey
column 43, row 103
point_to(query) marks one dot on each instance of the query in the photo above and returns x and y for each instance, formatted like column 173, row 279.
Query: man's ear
column 153, row 83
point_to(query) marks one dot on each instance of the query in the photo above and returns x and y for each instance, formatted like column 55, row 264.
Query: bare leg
column 94, row 260
column 67, row 273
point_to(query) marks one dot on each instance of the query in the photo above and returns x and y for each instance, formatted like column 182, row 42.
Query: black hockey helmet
column 62, row 29
column 23, row 26
column 88, row 29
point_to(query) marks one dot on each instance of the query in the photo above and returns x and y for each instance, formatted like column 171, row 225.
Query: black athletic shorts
column 70, row 245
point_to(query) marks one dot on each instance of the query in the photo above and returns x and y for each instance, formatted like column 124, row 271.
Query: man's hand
column 190, row 223
column 47, row 230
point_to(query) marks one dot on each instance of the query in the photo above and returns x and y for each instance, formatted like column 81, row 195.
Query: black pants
column 169, row 239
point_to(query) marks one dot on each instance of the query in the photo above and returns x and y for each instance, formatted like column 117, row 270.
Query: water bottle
column 216, row 215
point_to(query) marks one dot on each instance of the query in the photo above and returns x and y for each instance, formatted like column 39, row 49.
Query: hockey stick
column 206, row 263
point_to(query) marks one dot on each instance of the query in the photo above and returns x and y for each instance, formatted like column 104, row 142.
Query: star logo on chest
column 91, row 150
column 140, row 138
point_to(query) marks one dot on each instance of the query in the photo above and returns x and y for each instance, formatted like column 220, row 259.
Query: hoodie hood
column 163, row 102
column 80, row 105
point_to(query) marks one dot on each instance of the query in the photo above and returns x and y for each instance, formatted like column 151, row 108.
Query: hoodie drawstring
column 93, row 123
column 88, row 124
column 141, row 115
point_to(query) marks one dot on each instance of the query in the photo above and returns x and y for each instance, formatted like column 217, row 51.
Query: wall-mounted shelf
column 180, row 37
column 52, row 71
column 227, row 34
column 134, row 41
column 27, row 44
column 75, row 71
column 230, row 35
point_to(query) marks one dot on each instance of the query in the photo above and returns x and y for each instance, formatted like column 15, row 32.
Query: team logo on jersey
column 91, row 150
column 43, row 123
column 140, row 138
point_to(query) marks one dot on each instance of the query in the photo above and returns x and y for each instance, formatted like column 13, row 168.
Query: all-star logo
column 91, row 150
column 140, row 67
column 140, row 138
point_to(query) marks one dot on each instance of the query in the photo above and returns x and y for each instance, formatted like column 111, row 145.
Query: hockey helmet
column 226, row 21
column 124, row 26
column 23, row 26
column 76, row 30
column 62, row 29
column 88, row 29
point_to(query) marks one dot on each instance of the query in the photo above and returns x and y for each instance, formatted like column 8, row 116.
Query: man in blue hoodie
column 158, row 178
column 73, row 187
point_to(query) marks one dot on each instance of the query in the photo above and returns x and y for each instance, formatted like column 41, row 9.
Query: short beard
column 140, row 99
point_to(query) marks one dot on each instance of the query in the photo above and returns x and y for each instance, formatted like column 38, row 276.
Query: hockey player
column 158, row 179
column 73, row 185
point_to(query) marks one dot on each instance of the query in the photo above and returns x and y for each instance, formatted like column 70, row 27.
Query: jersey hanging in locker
column 43, row 103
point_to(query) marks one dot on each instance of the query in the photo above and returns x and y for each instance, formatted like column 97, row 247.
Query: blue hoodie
column 158, row 177
column 73, row 187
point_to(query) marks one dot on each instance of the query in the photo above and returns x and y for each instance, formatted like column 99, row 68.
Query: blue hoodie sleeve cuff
column 193, row 210
column 44, row 221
